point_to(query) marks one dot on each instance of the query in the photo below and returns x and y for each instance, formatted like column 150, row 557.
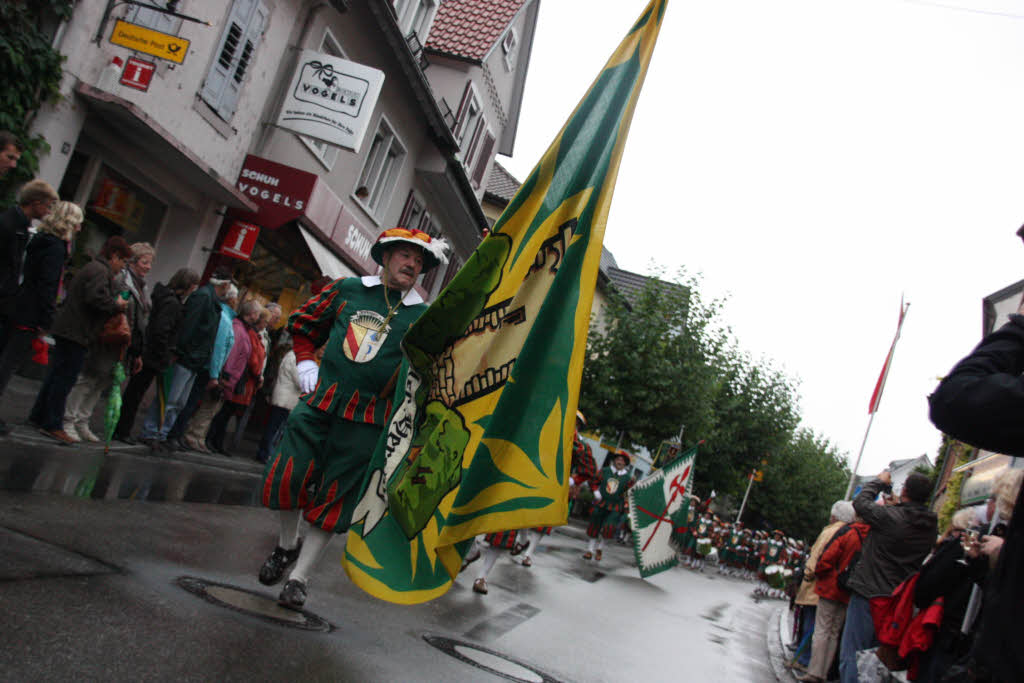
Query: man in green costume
column 330, row 436
column 609, row 500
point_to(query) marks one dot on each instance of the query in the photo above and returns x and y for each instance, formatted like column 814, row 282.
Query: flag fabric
column 876, row 396
column 658, row 506
column 481, row 436
column 667, row 452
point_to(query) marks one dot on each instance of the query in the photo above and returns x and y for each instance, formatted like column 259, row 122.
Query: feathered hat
column 434, row 248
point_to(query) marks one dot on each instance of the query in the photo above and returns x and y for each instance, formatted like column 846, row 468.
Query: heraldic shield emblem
column 365, row 335
column 611, row 486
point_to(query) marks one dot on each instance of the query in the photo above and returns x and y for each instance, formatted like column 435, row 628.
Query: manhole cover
column 252, row 603
column 489, row 660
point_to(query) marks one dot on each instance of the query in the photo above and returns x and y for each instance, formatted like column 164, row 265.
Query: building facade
column 176, row 128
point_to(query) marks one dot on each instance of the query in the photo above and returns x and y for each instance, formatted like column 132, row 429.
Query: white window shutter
column 157, row 21
column 483, row 159
column 220, row 90
column 244, row 60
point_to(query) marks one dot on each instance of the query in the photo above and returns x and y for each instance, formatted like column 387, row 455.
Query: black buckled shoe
column 278, row 563
column 293, row 595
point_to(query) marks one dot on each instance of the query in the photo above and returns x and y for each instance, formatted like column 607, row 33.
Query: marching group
column 740, row 552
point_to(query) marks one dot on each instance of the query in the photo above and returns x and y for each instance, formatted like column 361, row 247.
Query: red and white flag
column 876, row 397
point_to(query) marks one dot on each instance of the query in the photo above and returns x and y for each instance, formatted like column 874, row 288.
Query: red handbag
column 116, row 331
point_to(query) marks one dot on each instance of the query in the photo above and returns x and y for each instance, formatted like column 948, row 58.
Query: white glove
column 308, row 372
column 597, row 495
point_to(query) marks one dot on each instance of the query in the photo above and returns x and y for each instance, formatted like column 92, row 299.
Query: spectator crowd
column 881, row 591
column 201, row 354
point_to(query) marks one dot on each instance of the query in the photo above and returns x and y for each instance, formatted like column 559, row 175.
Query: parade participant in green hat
column 317, row 470
column 609, row 501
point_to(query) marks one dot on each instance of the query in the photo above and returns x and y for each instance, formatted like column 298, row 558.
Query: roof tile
column 469, row 28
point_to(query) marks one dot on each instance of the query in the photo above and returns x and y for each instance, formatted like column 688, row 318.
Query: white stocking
column 592, row 545
column 489, row 556
column 534, row 537
column 312, row 546
column 289, row 528
column 600, row 542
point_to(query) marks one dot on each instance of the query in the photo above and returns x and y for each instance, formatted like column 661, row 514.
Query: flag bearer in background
column 609, row 501
column 332, row 432
column 490, row 546
column 583, row 469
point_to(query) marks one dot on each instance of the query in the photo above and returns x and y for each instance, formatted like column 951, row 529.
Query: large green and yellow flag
column 481, row 436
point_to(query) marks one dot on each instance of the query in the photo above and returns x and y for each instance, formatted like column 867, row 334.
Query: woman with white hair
column 806, row 597
column 830, row 612
column 36, row 301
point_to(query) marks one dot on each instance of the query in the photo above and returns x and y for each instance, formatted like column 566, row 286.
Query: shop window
column 234, row 56
column 150, row 18
column 116, row 206
column 325, row 152
column 482, row 159
column 377, row 179
column 508, row 48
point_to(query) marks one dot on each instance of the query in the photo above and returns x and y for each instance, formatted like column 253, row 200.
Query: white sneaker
column 84, row 433
column 69, row 429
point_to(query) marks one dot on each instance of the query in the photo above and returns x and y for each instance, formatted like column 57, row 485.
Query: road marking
column 494, row 628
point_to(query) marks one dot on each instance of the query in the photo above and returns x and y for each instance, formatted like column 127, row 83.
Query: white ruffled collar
column 411, row 298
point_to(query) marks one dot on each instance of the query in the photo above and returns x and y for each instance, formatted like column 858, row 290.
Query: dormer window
column 415, row 16
column 508, row 48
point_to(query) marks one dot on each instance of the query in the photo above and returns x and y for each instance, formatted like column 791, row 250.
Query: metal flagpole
column 744, row 503
column 853, row 473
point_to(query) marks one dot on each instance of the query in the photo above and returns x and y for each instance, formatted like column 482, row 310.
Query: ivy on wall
column 30, row 74
column 961, row 453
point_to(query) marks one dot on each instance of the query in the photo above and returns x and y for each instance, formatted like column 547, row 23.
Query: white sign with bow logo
column 331, row 99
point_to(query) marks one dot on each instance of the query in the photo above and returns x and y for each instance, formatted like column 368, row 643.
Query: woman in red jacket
column 832, row 599
column 246, row 358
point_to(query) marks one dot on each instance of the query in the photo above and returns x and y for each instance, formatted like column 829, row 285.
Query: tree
column 31, row 73
column 649, row 369
column 801, row 482
column 755, row 412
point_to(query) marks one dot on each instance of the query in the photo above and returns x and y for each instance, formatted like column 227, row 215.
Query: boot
column 69, row 429
column 84, row 433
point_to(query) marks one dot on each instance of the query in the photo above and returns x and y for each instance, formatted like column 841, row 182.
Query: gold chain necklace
column 391, row 309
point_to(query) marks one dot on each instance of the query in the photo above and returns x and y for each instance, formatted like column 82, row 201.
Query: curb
column 776, row 645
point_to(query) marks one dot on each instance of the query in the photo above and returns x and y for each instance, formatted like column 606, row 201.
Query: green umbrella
column 113, row 413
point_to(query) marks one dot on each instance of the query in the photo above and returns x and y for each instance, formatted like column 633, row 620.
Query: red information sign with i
column 138, row 73
column 240, row 240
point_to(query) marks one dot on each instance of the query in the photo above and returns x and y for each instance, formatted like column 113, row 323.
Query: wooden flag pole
column 744, row 503
column 853, row 472
column 876, row 397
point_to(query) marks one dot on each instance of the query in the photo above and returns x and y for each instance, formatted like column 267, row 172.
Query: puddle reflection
column 119, row 475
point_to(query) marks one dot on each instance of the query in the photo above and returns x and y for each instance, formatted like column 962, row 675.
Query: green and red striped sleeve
column 310, row 324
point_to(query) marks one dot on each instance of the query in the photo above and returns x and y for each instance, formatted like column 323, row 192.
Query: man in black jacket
column 35, row 199
column 158, row 347
column 980, row 402
column 193, row 349
column 901, row 537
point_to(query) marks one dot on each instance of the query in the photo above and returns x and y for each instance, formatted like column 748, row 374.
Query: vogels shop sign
column 331, row 99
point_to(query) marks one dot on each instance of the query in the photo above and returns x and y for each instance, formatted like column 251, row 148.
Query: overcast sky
column 816, row 160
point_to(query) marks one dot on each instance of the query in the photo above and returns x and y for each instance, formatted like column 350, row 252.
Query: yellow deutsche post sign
column 155, row 43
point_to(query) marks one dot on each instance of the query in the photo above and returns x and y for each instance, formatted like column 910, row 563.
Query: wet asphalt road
column 131, row 566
